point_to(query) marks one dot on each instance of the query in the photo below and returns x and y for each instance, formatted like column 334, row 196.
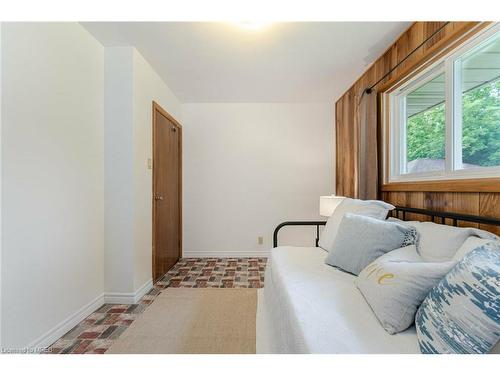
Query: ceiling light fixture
column 252, row 25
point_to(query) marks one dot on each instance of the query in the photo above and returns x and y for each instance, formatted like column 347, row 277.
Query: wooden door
column 167, row 191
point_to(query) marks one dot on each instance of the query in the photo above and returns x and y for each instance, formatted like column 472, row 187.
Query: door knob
column 158, row 197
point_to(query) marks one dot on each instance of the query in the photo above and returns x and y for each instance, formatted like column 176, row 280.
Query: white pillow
column 375, row 209
column 470, row 244
column 440, row 243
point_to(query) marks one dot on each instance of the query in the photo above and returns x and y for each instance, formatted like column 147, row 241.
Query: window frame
column 396, row 116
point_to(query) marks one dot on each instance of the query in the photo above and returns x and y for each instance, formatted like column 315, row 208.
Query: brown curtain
column 367, row 161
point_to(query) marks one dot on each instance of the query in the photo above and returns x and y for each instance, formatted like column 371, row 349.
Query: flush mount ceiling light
column 252, row 25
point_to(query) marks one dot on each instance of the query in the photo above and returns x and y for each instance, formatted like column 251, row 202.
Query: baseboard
column 67, row 324
column 129, row 298
column 226, row 254
column 146, row 287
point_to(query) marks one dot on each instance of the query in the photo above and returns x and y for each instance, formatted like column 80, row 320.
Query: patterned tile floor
column 95, row 334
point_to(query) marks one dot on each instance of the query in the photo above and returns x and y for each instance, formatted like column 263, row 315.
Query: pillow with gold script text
column 395, row 284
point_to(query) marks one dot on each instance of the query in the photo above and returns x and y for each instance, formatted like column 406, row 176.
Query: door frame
column 157, row 108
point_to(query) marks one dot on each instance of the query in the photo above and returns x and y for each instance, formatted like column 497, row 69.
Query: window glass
column 425, row 127
column 479, row 71
column 446, row 119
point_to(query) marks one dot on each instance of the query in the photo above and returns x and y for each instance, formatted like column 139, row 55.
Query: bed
column 307, row 306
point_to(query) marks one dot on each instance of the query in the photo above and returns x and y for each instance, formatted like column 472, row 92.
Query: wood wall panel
column 475, row 199
column 480, row 204
column 346, row 157
column 347, row 107
column 464, row 203
column 489, row 205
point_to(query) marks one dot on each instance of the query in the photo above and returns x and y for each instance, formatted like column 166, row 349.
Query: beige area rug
column 193, row 321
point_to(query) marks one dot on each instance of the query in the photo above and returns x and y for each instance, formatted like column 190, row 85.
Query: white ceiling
column 284, row 62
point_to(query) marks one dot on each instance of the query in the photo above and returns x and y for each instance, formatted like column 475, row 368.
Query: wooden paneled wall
column 347, row 122
column 480, row 204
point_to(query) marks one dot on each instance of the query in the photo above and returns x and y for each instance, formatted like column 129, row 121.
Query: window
column 445, row 122
column 425, row 127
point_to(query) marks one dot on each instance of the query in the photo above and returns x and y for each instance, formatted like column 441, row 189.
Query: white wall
column 76, row 188
column 131, row 87
column 148, row 87
column 1, row 27
column 248, row 167
column 52, row 177
column 118, row 173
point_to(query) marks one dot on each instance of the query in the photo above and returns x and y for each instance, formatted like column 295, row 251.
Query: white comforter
column 307, row 306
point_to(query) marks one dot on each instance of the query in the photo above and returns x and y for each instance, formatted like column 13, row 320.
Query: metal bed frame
column 396, row 213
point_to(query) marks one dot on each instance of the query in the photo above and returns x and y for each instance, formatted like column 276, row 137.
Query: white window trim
column 453, row 118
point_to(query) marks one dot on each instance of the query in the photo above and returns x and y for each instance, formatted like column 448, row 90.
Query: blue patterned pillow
column 462, row 313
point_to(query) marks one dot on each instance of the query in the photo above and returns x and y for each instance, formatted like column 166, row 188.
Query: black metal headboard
column 289, row 223
column 443, row 216
column 400, row 212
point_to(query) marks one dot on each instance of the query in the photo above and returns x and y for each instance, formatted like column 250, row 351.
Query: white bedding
column 307, row 306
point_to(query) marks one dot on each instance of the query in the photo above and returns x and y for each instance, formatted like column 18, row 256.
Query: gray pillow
column 395, row 285
column 362, row 239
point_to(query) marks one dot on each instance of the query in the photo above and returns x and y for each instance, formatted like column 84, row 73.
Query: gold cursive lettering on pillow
column 371, row 269
column 385, row 276
column 376, row 270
